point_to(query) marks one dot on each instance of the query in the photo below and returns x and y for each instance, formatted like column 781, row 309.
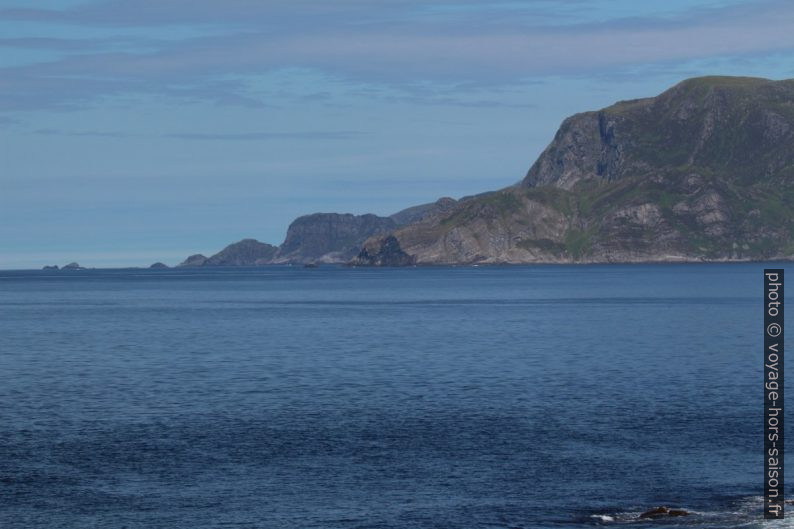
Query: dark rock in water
column 194, row 260
column 663, row 512
column 383, row 252
column 655, row 513
column 72, row 266
column 158, row 265
column 50, row 267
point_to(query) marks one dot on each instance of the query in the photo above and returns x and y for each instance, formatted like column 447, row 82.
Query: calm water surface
column 284, row 397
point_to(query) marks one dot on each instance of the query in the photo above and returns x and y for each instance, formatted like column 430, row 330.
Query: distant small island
column 70, row 266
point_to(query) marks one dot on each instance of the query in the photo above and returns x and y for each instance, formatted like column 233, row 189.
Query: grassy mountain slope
column 704, row 171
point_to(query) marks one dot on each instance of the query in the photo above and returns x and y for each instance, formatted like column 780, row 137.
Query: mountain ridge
column 331, row 238
column 702, row 172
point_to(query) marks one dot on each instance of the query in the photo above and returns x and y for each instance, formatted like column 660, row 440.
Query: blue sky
column 138, row 131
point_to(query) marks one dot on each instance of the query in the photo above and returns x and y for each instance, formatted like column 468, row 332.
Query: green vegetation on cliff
column 704, row 171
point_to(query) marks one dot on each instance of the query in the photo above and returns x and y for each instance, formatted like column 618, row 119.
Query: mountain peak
column 739, row 127
column 702, row 171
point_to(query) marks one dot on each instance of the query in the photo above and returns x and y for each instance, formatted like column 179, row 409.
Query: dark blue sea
column 348, row 398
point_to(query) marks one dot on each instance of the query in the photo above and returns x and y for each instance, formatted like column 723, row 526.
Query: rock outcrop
column 329, row 237
column 248, row 252
column 702, row 172
column 663, row 512
column 194, row 260
column 385, row 252
column 158, row 265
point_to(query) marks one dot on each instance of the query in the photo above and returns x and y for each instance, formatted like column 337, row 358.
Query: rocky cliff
column 338, row 237
column 704, row 171
column 320, row 237
column 329, row 237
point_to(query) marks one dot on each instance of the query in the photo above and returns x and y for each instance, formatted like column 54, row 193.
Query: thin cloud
column 84, row 134
column 317, row 13
column 210, row 136
column 80, row 44
column 395, row 44
column 248, row 136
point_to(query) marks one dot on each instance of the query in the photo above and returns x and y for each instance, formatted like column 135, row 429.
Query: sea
column 396, row 398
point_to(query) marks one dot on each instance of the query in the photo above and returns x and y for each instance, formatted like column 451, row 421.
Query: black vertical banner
column 773, row 394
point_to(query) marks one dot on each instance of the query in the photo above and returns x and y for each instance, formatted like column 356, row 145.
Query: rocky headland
column 702, row 172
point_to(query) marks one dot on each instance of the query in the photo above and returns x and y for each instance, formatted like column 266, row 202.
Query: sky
column 141, row 131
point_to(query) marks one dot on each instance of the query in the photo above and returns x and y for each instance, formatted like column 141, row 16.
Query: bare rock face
column 732, row 125
column 329, row 237
column 322, row 238
column 386, row 252
column 702, row 172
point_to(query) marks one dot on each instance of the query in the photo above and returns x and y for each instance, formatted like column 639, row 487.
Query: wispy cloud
column 211, row 136
column 84, row 133
column 195, row 120
column 393, row 43
column 80, row 44
column 308, row 135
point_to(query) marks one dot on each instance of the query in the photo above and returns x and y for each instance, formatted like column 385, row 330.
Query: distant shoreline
column 67, row 271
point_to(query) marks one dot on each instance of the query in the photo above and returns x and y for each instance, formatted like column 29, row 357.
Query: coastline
column 488, row 264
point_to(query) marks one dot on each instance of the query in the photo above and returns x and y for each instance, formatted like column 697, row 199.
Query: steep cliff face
column 736, row 127
column 704, row 171
column 385, row 252
column 321, row 237
column 329, row 237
